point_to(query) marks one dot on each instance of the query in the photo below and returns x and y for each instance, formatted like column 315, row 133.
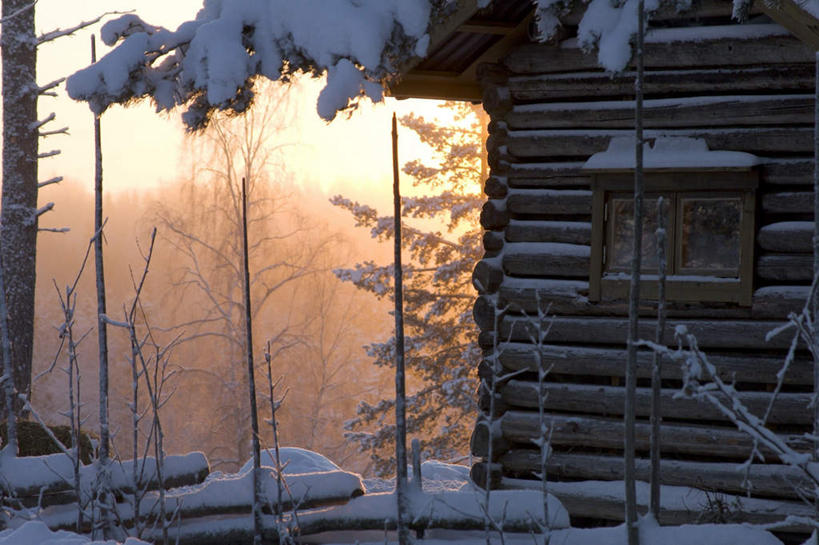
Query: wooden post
column 656, row 368
column 634, row 298
column 251, row 382
column 400, row 393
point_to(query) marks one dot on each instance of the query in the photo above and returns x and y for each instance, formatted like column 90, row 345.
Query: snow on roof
column 669, row 152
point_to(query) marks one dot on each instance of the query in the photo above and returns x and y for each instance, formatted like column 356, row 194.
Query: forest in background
column 319, row 326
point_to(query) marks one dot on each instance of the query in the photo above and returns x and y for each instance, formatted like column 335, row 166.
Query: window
column 710, row 229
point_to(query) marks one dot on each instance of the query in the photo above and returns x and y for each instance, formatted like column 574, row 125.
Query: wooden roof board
column 797, row 19
column 469, row 36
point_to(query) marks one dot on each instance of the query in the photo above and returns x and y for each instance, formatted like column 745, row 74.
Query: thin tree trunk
column 656, row 369
column 400, row 394
column 18, row 223
column 275, row 425
column 815, row 308
column 634, row 298
column 254, row 415
column 102, row 328
column 104, row 452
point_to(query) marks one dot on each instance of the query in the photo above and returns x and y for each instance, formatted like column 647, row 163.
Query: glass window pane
column 622, row 226
column 710, row 233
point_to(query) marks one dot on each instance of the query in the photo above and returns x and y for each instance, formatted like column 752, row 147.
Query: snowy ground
column 447, row 499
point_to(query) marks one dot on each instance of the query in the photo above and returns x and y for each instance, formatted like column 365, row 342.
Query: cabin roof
column 467, row 36
column 461, row 40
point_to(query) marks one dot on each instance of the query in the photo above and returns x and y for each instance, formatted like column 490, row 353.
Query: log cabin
column 729, row 119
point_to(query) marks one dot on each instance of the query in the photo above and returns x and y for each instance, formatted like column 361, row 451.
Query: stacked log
column 551, row 108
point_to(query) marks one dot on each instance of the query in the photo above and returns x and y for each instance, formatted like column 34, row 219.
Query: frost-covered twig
column 702, row 381
column 656, row 367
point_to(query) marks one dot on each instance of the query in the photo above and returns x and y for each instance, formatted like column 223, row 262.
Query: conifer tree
column 441, row 343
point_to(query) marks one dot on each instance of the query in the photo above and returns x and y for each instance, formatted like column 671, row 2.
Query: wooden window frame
column 687, row 287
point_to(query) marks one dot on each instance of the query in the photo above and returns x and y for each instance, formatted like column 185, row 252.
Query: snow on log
column 584, row 143
column 522, row 427
column 704, row 111
column 768, row 479
column 234, row 493
column 53, row 474
column 680, row 504
column 452, row 510
column 608, row 362
column 745, row 45
column 790, row 408
column 597, row 85
column 787, row 236
column 609, row 330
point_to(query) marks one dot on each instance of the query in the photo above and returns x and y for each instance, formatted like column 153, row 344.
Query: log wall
column 551, row 108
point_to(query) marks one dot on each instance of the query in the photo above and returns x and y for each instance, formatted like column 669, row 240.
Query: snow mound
column 36, row 532
column 677, row 152
column 294, row 461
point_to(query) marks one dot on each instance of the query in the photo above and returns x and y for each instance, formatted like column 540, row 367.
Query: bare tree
column 204, row 228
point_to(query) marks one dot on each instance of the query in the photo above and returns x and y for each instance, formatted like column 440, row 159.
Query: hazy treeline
column 316, row 324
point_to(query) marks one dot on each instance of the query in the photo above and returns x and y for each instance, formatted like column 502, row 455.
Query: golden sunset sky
column 142, row 149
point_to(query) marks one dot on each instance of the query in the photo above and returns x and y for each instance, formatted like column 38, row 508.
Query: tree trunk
column 400, row 394
column 254, row 415
column 102, row 328
column 19, row 209
column 634, row 298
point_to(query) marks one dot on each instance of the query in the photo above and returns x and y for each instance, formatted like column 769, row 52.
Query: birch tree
column 205, row 230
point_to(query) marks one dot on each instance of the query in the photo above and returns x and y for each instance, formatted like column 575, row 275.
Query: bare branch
column 40, row 211
column 47, row 154
column 45, row 134
column 59, row 32
column 37, row 124
column 54, row 180
column 44, row 89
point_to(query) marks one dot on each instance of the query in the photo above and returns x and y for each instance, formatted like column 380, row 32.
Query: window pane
column 622, row 225
column 710, row 233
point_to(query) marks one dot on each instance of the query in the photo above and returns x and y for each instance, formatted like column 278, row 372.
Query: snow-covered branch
column 209, row 63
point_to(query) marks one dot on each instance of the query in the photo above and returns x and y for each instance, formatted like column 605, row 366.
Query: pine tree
column 441, row 343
